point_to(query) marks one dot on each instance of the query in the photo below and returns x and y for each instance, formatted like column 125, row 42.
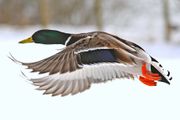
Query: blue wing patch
column 97, row 56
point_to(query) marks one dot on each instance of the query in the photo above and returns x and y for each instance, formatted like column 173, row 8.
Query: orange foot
column 148, row 77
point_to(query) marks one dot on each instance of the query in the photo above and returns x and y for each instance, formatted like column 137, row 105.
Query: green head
column 46, row 36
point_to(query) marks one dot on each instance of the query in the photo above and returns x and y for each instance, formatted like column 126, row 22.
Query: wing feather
column 52, row 88
column 76, row 88
column 37, row 66
column 47, row 67
column 69, row 84
column 61, row 89
column 54, row 67
column 45, row 86
column 89, row 60
column 84, row 51
column 68, row 90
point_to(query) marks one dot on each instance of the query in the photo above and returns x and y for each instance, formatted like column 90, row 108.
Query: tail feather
column 156, row 67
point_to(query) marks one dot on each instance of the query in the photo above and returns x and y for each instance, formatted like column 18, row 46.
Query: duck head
column 46, row 36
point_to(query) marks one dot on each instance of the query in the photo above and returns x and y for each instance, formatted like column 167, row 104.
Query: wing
column 61, row 62
column 90, row 60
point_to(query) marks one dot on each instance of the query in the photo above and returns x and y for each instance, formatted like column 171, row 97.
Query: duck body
column 92, row 57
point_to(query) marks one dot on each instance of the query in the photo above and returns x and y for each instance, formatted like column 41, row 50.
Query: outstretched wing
column 90, row 60
column 61, row 62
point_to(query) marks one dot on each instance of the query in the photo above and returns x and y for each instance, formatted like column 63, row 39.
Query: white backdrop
column 119, row 99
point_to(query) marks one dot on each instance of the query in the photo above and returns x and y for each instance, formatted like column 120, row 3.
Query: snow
column 119, row 99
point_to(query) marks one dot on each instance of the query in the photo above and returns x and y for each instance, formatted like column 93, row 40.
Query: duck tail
column 156, row 67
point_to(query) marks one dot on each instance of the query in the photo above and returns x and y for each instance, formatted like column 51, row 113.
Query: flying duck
column 92, row 57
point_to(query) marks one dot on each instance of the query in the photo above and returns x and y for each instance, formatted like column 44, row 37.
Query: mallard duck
column 92, row 57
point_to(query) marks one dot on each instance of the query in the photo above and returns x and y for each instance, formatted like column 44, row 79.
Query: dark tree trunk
column 98, row 14
column 167, row 22
column 44, row 12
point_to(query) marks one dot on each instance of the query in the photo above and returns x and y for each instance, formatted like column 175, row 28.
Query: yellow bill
column 28, row 40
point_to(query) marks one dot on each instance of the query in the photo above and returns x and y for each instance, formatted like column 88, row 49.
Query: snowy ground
column 120, row 99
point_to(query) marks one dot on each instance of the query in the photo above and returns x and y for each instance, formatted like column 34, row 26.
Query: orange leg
column 148, row 77
column 147, row 82
column 149, row 74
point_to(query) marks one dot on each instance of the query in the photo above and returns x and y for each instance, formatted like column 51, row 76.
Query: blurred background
column 142, row 20
column 152, row 24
